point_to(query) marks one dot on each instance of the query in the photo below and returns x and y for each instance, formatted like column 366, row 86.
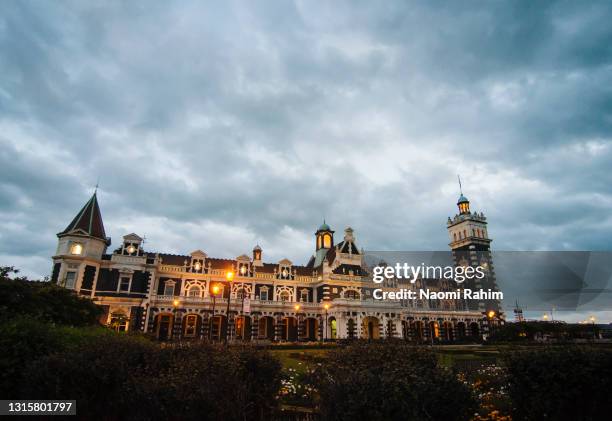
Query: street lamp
column 592, row 320
column 215, row 291
column 545, row 317
column 175, row 304
column 229, row 275
column 326, row 307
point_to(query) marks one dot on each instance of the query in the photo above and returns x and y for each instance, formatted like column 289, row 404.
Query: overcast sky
column 216, row 126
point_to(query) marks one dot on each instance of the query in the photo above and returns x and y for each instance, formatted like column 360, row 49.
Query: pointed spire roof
column 88, row 221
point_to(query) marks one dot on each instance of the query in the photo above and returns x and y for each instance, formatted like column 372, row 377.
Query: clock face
column 243, row 270
column 131, row 249
column 197, row 266
column 285, row 272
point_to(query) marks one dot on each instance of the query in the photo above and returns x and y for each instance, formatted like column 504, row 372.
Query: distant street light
column 229, row 275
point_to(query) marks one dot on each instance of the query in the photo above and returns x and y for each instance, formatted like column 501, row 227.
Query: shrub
column 23, row 339
column 390, row 380
column 560, row 383
column 43, row 301
column 120, row 377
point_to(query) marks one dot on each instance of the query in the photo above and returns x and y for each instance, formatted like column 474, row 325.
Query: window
column 263, row 294
column 304, row 295
column 169, row 289
column 70, row 280
column 124, row 284
column 241, row 293
column 455, row 236
column 285, row 296
column 194, row 291
column 119, row 322
column 76, row 249
column 351, row 295
column 327, row 241
column 191, row 324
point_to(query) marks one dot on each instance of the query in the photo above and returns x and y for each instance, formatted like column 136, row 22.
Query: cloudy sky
column 220, row 125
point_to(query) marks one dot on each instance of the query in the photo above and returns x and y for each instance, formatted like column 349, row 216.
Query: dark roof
column 345, row 269
column 344, row 247
column 88, row 220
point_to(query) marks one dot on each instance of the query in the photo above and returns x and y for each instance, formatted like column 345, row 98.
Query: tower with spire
column 471, row 245
column 83, row 241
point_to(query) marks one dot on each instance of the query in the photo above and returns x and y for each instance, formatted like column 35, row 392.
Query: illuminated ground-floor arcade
column 290, row 325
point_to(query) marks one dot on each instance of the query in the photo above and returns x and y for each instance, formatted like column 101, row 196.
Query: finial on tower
column 463, row 203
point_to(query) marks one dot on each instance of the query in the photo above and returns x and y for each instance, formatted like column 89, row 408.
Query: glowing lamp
column 229, row 275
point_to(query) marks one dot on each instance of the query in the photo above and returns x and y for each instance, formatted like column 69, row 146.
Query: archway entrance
column 289, row 331
column 218, row 328
column 418, row 329
column 311, row 326
column 243, row 328
column 371, row 328
column 474, row 329
column 447, row 328
column 191, row 325
column 460, row 330
column 265, row 329
column 163, row 324
column 333, row 328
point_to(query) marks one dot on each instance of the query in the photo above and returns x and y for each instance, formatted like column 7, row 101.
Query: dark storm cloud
column 219, row 125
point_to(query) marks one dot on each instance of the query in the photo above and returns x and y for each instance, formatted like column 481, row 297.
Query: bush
column 120, row 377
column 560, row 383
column 23, row 339
column 390, row 380
column 43, row 301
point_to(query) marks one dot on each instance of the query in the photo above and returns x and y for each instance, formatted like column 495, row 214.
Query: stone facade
column 195, row 296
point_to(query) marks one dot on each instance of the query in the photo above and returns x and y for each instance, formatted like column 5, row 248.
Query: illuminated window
column 76, row 249
column 191, row 324
column 327, row 241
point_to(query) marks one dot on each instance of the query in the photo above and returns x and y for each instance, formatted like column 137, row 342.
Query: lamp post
column 545, row 317
column 175, row 304
column 229, row 275
column 491, row 316
column 297, row 309
column 326, row 307
column 592, row 319
column 215, row 291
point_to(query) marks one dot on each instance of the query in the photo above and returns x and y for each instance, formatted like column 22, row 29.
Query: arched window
column 194, row 291
column 327, row 241
column 455, row 236
column 284, row 296
column 351, row 295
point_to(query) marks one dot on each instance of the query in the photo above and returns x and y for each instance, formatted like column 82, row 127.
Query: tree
column 43, row 301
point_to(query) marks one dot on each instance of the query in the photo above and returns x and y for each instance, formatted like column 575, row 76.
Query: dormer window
column 76, row 249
